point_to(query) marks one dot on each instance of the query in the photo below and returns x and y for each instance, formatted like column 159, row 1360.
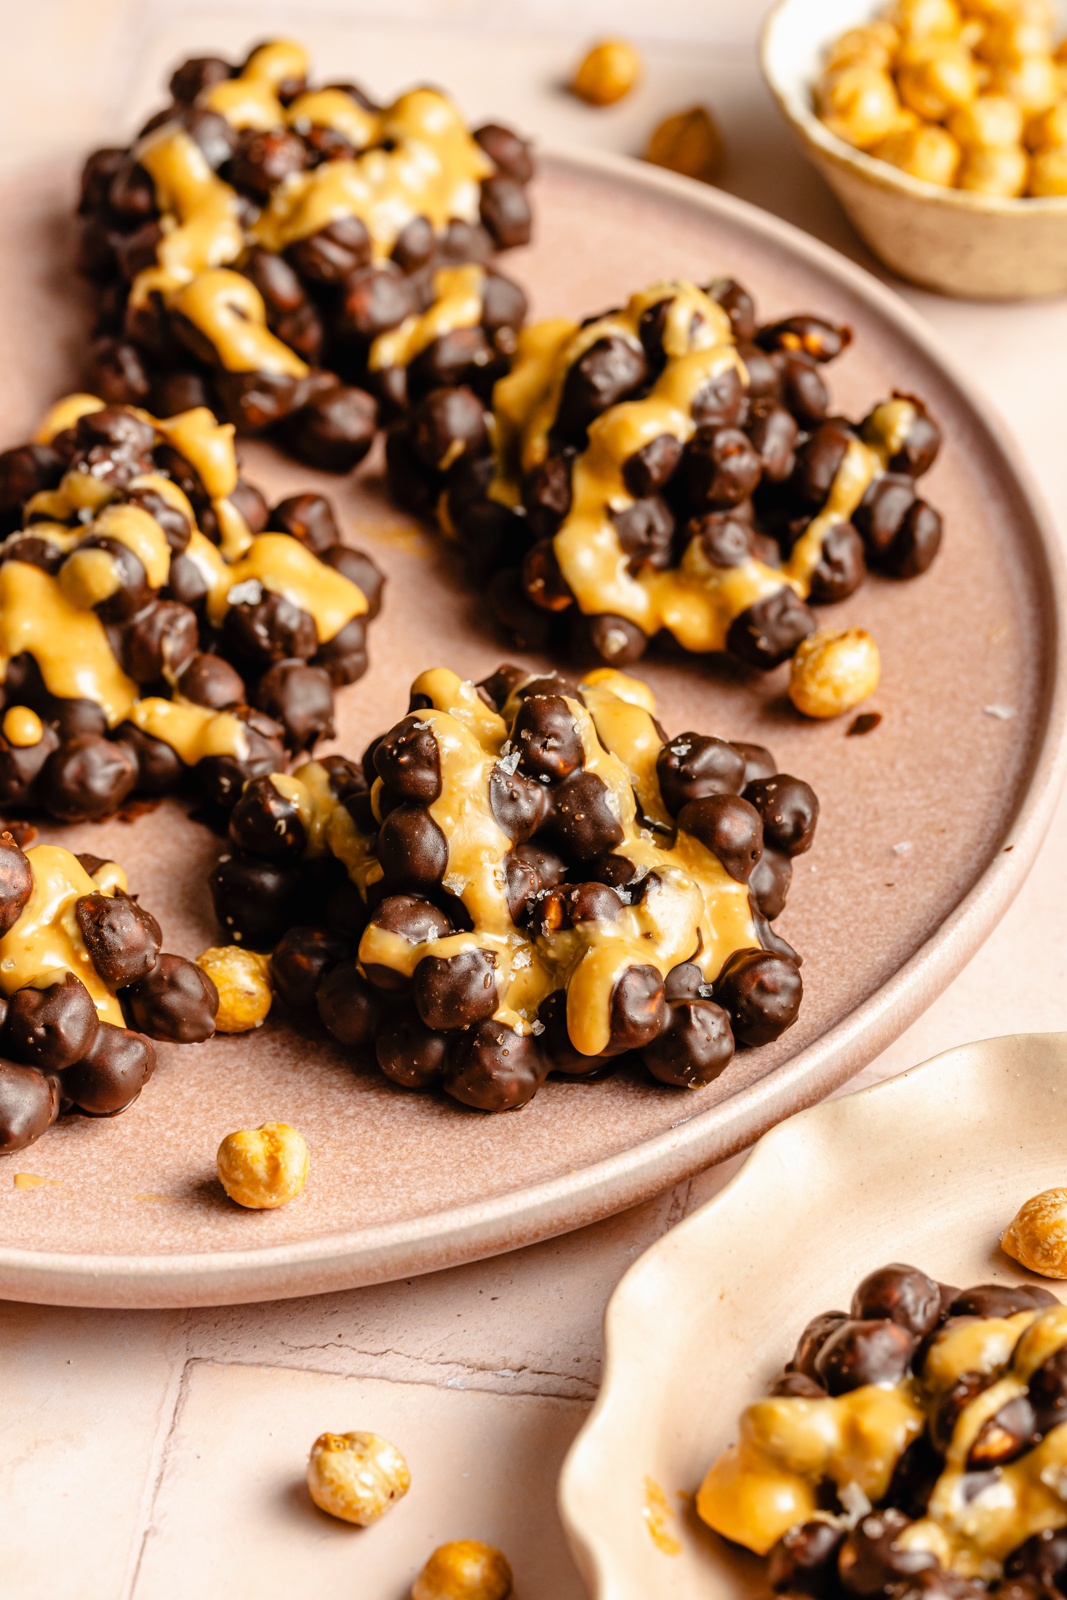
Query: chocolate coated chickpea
column 242, row 979
column 833, row 671
column 263, row 1168
column 356, row 1477
column 607, row 72
column 464, row 1569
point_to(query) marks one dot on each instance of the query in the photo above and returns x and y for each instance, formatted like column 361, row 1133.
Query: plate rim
column 581, row 1462
column 478, row 1229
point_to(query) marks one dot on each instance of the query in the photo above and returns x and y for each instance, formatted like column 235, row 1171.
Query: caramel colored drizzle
column 696, row 601
column 46, row 941
column 457, row 303
column 692, row 910
column 659, row 1518
column 767, row 1483
column 416, row 158
column 52, row 617
column 69, row 644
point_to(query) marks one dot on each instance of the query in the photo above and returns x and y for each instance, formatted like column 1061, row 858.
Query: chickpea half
column 833, row 670
column 465, row 1569
column 242, row 978
column 263, row 1168
column 689, row 143
column 607, row 73
column 1036, row 1236
column 356, row 1477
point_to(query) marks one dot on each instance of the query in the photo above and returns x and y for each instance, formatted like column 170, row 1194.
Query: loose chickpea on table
column 607, row 72
column 970, row 95
column 356, row 1477
column 465, row 1569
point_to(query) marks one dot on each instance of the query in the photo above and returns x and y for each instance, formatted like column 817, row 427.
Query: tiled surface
column 152, row 1456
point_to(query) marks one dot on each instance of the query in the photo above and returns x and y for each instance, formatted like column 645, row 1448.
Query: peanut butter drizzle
column 46, row 941
column 52, row 617
column 69, row 644
column 457, row 303
column 422, row 161
column 696, row 601
column 692, row 910
column 765, row 1484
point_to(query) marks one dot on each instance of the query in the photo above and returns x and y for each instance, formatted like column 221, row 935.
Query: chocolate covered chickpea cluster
column 671, row 468
column 526, row 876
column 967, row 94
column 157, row 618
column 85, row 987
column 915, row 1446
column 294, row 257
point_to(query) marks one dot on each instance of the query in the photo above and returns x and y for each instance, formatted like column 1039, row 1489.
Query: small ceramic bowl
column 928, row 1168
column 968, row 245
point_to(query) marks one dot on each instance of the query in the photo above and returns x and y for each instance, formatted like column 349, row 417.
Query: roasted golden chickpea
column 1050, row 128
column 1033, row 82
column 922, row 19
column 1048, row 172
column 242, row 978
column 262, row 1168
column 1010, row 38
column 876, row 44
column 860, row 104
column 833, row 670
column 1036, row 1236
column 689, row 142
column 607, row 73
column 357, row 1477
column 991, row 122
column 466, row 1569
column 942, row 79
column 1003, row 171
column 927, row 152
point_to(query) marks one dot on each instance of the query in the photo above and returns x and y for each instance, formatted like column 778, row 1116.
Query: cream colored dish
column 968, row 245
column 928, row 1168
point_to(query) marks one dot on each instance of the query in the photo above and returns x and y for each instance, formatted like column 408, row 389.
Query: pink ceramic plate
column 929, row 823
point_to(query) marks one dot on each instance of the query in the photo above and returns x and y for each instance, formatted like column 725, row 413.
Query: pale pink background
column 149, row 1455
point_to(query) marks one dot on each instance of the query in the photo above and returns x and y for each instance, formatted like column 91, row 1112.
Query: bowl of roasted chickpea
column 941, row 126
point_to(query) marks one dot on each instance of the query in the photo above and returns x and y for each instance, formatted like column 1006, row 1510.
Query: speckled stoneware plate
column 928, row 1168
column 960, row 776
